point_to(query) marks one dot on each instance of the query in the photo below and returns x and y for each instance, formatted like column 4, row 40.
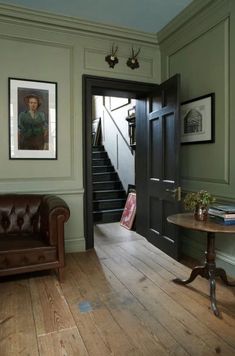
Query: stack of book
column 223, row 214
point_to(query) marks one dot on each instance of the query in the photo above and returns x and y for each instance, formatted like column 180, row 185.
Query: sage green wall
column 43, row 47
column 200, row 45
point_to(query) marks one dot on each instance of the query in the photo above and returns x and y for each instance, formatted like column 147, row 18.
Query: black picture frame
column 198, row 120
column 32, row 119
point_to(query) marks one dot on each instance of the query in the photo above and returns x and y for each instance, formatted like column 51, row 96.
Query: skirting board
column 195, row 250
column 75, row 245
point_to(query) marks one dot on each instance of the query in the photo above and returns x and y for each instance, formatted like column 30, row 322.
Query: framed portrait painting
column 32, row 119
column 197, row 120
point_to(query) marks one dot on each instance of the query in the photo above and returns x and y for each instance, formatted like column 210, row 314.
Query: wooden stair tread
column 106, row 181
column 108, row 211
column 109, row 200
column 109, row 190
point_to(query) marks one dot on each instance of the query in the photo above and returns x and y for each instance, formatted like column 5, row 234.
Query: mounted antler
column 112, row 58
column 113, row 52
column 135, row 55
column 132, row 61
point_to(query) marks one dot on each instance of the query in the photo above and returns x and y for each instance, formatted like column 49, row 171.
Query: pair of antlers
column 114, row 52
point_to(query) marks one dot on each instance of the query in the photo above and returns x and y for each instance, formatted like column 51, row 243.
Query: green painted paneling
column 61, row 50
column 202, row 50
column 203, row 70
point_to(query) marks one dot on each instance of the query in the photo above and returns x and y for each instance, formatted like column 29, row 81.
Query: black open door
column 157, row 165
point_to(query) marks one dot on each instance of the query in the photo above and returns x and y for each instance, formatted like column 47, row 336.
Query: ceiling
column 142, row 15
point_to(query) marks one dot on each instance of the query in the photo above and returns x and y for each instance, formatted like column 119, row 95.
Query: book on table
column 220, row 213
column 225, row 208
column 223, row 213
column 220, row 220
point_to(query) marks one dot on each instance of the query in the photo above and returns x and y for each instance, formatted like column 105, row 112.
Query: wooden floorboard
column 117, row 299
column 17, row 329
column 65, row 342
column 50, row 309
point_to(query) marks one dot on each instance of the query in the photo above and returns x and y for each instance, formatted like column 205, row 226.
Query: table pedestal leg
column 212, row 292
column 220, row 272
column 197, row 271
column 208, row 271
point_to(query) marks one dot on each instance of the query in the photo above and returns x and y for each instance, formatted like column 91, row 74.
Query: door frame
column 94, row 85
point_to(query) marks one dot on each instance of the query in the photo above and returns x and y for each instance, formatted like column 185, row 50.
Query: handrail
column 110, row 115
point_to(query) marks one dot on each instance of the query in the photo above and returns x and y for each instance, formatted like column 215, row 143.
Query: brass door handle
column 176, row 193
column 173, row 191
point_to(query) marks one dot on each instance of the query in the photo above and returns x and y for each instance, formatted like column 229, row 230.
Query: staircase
column 109, row 197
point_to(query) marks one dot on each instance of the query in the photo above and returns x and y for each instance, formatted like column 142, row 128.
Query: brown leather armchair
column 31, row 233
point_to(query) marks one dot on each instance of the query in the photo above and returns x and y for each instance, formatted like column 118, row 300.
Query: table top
column 188, row 221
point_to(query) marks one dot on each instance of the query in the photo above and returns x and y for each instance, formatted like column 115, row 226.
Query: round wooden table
column 209, row 270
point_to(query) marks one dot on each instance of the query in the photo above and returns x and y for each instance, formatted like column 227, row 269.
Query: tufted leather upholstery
column 31, row 232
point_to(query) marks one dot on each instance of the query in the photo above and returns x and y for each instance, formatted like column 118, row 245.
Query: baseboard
column 75, row 245
column 196, row 250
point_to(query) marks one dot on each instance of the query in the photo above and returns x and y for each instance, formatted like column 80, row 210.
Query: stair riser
column 109, row 195
column 97, row 148
column 107, row 186
column 98, row 155
column 101, row 162
column 116, row 204
column 101, row 169
column 105, row 177
column 107, row 217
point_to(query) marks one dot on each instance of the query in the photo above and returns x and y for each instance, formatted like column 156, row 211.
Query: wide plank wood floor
column 118, row 299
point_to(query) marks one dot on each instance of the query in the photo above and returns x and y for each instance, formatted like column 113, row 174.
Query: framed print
column 129, row 211
column 197, row 120
column 32, row 119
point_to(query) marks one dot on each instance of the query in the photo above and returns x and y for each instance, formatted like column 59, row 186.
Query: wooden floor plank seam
column 56, row 332
column 38, row 347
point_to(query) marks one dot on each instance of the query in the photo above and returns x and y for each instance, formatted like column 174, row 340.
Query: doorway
column 113, row 156
column 158, row 107
column 106, row 87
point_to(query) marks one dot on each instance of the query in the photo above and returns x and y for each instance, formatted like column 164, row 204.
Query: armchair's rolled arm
column 54, row 213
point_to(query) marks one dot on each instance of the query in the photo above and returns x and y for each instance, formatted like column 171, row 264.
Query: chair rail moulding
column 12, row 13
column 39, row 186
